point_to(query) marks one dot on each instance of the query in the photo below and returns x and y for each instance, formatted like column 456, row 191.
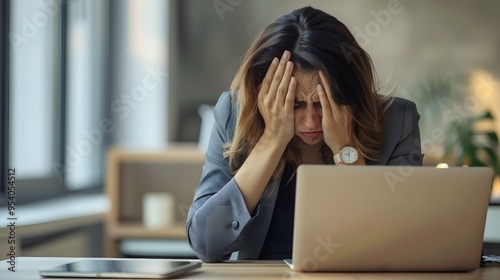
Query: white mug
column 158, row 210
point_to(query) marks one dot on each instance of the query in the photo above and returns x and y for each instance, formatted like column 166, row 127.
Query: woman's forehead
column 310, row 78
column 307, row 83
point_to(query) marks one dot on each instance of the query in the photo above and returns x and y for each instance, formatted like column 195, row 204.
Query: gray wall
column 420, row 39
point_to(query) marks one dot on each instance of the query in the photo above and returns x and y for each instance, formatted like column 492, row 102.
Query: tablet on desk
column 121, row 268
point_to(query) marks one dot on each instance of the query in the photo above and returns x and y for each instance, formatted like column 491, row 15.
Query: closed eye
column 299, row 104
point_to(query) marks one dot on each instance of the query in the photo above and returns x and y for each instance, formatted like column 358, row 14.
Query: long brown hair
column 317, row 41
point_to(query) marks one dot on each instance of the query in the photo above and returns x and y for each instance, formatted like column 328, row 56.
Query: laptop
column 121, row 268
column 389, row 218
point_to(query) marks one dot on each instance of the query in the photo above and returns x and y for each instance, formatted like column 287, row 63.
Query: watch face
column 349, row 155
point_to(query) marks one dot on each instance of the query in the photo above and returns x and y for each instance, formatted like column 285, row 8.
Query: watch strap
column 336, row 158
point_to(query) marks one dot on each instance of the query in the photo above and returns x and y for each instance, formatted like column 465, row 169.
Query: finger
column 284, row 84
column 266, row 83
column 325, row 103
column 328, row 92
column 278, row 75
column 290, row 95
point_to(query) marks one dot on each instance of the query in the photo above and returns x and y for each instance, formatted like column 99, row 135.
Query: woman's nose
column 312, row 117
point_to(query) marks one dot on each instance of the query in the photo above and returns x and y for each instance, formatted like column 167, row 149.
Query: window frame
column 4, row 96
column 37, row 189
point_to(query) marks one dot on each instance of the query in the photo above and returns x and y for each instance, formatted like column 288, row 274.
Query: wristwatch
column 347, row 155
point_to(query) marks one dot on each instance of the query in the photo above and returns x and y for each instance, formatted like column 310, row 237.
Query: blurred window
column 56, row 102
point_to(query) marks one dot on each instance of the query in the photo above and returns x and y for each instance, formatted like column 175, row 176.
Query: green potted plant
column 465, row 143
column 471, row 146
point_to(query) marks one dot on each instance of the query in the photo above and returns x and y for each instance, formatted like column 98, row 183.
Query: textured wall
column 409, row 41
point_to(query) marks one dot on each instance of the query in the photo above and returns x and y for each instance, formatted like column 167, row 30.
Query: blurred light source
column 486, row 89
column 442, row 165
column 148, row 32
column 495, row 192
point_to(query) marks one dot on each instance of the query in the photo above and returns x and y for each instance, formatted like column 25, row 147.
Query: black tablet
column 121, row 268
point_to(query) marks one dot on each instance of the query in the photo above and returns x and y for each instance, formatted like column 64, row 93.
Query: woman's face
column 308, row 112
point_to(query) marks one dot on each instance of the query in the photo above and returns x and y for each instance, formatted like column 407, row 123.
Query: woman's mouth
column 312, row 134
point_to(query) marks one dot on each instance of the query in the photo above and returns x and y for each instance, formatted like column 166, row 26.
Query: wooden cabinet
column 132, row 174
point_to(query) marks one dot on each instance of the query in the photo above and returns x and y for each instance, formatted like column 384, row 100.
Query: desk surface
column 27, row 269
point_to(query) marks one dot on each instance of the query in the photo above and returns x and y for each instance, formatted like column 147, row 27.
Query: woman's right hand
column 276, row 100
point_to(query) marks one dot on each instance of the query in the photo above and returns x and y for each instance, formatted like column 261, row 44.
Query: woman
column 305, row 94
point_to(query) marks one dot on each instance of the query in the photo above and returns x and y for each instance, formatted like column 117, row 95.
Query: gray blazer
column 219, row 223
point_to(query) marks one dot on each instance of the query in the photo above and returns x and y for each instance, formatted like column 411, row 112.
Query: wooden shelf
column 138, row 230
column 132, row 173
column 175, row 153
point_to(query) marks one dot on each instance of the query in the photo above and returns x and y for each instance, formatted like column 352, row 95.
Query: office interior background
column 84, row 81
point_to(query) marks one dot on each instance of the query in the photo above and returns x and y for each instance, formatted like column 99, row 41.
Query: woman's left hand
column 337, row 120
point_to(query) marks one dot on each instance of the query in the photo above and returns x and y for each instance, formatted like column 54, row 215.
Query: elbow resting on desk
column 215, row 224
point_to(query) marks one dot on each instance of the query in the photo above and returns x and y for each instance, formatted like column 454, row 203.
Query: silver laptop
column 389, row 218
